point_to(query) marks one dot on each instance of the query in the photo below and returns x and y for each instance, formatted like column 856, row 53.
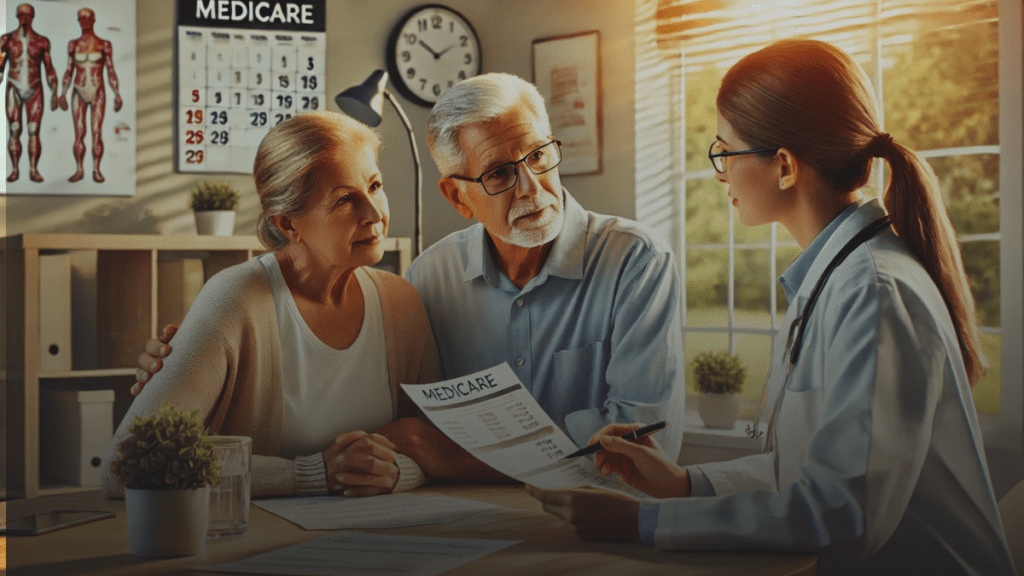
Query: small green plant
column 213, row 196
column 167, row 451
column 717, row 373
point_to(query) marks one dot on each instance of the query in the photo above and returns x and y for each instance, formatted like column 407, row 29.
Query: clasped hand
column 361, row 464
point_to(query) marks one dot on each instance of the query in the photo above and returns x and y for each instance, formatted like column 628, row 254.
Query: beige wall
column 356, row 33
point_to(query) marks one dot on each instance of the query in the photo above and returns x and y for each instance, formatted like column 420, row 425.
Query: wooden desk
column 548, row 547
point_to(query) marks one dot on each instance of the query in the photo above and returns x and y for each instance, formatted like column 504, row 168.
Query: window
column 936, row 69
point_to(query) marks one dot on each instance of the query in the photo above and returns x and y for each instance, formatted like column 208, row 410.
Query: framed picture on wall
column 69, row 111
column 567, row 72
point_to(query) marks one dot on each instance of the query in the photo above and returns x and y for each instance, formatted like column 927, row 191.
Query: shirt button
column 519, row 302
column 520, row 361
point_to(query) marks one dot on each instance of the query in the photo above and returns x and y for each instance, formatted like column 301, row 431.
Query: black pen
column 634, row 435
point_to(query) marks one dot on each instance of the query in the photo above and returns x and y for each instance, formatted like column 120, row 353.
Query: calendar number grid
column 235, row 85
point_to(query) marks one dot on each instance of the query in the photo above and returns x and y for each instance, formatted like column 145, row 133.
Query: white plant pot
column 719, row 410
column 164, row 523
column 215, row 222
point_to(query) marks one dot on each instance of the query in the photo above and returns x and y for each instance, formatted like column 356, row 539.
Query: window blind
column 719, row 32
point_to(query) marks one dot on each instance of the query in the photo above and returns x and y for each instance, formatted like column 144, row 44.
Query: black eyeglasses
column 506, row 176
column 718, row 156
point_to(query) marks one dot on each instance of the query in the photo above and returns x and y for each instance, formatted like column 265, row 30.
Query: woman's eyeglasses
column 718, row 156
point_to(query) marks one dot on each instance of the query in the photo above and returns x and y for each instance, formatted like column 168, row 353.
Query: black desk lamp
column 365, row 103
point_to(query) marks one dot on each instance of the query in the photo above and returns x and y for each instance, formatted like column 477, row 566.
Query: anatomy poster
column 243, row 68
column 69, row 97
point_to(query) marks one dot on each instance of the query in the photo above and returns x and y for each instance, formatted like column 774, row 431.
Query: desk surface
column 548, row 547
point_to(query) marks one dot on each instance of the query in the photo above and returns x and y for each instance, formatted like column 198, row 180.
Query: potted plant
column 214, row 204
column 166, row 465
column 718, row 378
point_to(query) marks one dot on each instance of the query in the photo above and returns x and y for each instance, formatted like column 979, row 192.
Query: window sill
column 735, row 438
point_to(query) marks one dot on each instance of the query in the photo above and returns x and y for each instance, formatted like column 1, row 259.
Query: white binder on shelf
column 54, row 312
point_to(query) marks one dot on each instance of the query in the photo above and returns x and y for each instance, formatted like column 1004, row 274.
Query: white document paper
column 366, row 555
column 496, row 419
column 386, row 511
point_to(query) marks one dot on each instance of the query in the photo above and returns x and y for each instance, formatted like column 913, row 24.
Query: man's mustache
column 526, row 207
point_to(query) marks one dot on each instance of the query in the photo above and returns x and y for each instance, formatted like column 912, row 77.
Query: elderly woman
column 304, row 347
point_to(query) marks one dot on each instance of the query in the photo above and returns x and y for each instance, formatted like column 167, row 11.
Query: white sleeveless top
column 329, row 391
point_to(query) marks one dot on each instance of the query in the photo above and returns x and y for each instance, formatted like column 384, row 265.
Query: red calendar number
column 194, row 116
column 194, row 156
column 193, row 136
column 195, row 95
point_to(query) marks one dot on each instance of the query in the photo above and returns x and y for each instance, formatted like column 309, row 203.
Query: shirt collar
column 827, row 243
column 565, row 259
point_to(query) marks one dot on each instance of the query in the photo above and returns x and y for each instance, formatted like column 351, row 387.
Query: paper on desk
column 366, row 555
column 387, row 511
column 496, row 419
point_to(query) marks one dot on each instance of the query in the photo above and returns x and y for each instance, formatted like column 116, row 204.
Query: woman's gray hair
column 477, row 99
column 290, row 158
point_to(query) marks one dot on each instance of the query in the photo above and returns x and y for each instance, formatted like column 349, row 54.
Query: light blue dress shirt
column 596, row 337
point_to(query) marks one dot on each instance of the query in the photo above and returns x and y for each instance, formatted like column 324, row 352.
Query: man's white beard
column 539, row 233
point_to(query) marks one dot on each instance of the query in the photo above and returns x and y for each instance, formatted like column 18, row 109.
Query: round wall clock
column 430, row 49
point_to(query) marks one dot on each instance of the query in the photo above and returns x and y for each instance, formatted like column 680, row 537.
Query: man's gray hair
column 472, row 101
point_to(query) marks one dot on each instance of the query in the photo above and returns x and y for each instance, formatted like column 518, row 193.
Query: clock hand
column 429, row 49
column 439, row 54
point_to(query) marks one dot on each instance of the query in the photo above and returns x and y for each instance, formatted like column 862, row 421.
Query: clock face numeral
column 432, row 50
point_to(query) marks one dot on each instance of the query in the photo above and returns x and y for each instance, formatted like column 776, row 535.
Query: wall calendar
column 244, row 66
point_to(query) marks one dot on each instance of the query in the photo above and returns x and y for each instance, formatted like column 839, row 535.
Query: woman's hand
column 593, row 513
column 642, row 464
column 361, row 464
column 151, row 359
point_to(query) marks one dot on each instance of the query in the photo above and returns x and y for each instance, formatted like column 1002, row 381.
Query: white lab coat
column 875, row 455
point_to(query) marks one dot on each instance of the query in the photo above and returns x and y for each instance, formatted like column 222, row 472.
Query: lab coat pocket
column 799, row 418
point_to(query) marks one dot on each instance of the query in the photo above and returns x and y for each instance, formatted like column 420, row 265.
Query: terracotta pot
column 164, row 523
column 719, row 410
column 215, row 222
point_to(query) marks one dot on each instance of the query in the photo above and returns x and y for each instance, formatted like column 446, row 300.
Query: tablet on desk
column 49, row 521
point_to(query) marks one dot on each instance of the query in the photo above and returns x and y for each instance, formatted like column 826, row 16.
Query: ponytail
column 919, row 217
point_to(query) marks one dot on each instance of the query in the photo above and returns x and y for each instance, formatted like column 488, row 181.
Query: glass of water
column 229, row 495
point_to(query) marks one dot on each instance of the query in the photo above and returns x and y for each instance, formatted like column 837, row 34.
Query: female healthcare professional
column 872, row 455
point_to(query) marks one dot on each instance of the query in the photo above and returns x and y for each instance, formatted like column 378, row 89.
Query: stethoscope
column 793, row 345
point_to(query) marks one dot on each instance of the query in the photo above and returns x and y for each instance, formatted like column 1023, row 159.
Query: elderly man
column 583, row 307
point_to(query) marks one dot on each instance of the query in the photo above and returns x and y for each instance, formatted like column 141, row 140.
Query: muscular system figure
column 88, row 55
column 24, row 50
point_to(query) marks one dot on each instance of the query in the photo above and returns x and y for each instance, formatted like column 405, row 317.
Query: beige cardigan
column 226, row 362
